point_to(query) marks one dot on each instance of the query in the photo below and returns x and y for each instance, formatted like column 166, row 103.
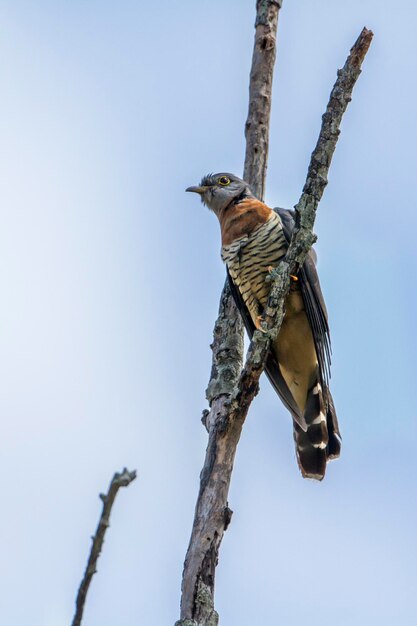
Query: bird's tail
column 321, row 441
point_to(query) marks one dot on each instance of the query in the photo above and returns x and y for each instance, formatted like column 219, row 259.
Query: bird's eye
column 224, row 180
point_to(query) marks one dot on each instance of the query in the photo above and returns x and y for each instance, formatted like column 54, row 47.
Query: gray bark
column 260, row 95
column 119, row 480
column 212, row 514
column 230, row 394
column 303, row 237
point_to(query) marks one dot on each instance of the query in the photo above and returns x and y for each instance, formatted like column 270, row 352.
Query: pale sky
column 110, row 278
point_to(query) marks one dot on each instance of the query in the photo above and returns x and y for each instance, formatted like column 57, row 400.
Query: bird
column 254, row 238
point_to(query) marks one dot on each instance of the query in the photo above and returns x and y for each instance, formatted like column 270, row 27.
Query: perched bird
column 254, row 239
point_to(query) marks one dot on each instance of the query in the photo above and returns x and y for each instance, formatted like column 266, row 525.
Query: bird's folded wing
column 313, row 301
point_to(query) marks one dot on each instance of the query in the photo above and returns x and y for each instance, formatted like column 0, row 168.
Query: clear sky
column 110, row 277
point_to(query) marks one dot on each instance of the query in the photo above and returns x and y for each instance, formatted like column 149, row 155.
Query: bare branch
column 119, row 480
column 260, row 95
column 303, row 236
column 228, row 412
column 212, row 513
column 228, row 350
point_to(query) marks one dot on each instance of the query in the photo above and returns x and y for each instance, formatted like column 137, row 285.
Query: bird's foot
column 258, row 323
column 271, row 269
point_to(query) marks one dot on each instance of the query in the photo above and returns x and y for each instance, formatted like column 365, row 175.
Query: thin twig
column 225, row 420
column 119, row 480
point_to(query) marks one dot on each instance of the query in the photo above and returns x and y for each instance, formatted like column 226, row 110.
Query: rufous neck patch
column 242, row 218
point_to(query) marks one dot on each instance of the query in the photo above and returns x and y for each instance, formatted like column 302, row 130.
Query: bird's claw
column 258, row 323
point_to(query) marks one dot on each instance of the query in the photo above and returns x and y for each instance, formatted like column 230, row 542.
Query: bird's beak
column 199, row 190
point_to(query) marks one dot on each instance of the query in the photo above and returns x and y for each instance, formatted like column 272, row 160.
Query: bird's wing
column 316, row 314
column 313, row 301
column 272, row 369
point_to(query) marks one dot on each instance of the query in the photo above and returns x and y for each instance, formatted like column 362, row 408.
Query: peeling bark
column 229, row 393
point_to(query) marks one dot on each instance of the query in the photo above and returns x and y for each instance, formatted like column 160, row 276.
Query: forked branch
column 230, row 395
column 212, row 515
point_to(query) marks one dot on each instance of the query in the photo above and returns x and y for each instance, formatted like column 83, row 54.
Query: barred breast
column 248, row 259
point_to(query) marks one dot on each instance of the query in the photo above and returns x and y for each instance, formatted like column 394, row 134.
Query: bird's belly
column 295, row 350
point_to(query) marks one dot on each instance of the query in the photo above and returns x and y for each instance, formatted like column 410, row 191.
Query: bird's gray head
column 217, row 191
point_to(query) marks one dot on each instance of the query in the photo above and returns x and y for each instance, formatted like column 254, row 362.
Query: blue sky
column 110, row 278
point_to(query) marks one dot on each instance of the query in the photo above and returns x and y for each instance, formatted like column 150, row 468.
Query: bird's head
column 217, row 191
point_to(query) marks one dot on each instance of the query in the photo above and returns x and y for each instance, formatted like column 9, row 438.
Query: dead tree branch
column 119, row 480
column 260, row 95
column 303, row 237
column 212, row 514
column 228, row 409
